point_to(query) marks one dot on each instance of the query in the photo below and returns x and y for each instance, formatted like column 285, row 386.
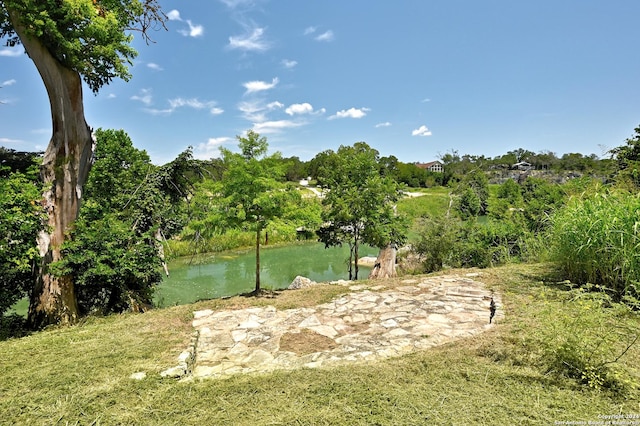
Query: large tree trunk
column 64, row 170
column 385, row 266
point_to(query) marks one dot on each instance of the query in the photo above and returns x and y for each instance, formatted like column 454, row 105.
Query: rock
column 174, row 372
column 300, row 282
column 367, row 261
column 138, row 376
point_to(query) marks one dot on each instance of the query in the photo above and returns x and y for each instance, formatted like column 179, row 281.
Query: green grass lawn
column 80, row 375
column 434, row 202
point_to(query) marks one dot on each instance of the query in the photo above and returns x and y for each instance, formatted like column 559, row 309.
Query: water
column 230, row 273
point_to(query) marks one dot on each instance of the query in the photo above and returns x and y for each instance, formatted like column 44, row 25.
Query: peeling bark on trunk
column 385, row 266
column 159, row 240
column 64, row 171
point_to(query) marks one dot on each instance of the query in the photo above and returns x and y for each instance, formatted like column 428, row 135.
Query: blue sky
column 412, row 78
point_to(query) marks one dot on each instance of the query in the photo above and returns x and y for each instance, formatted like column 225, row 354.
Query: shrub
column 20, row 221
column 541, row 200
column 468, row 204
column 489, row 244
column 438, row 237
column 448, row 241
column 115, row 269
column 586, row 341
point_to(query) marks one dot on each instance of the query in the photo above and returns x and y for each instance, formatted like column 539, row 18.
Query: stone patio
column 366, row 324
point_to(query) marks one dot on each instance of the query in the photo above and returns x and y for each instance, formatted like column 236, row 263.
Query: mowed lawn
column 81, row 374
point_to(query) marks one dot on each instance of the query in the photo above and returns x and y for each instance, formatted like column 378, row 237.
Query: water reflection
column 232, row 273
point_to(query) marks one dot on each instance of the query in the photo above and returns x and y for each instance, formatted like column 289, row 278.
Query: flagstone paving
column 366, row 324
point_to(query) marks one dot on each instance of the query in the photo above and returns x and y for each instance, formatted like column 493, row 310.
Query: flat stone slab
column 359, row 326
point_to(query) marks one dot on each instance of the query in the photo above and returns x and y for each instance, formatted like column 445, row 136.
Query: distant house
column 433, row 166
column 522, row 165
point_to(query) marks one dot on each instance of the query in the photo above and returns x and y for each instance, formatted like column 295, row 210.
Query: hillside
column 82, row 374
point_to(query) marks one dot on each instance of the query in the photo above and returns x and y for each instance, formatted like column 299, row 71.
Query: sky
column 413, row 78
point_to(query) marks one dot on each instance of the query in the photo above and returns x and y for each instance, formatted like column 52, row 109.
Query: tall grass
column 597, row 240
column 232, row 239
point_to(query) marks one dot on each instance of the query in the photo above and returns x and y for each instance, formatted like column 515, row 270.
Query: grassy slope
column 81, row 374
column 435, row 202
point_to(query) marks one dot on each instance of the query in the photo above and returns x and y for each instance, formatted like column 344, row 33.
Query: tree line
column 456, row 165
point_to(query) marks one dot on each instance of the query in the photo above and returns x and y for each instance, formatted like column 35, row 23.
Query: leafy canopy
column 252, row 188
column 128, row 203
column 91, row 37
column 252, row 193
column 20, row 218
column 359, row 206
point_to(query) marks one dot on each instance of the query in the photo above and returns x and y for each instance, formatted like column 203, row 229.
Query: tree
column 70, row 41
column 544, row 160
column 19, row 223
column 113, row 255
column 251, row 193
column 541, row 200
column 628, row 159
column 295, row 169
column 359, row 206
column 473, row 190
column 629, row 152
column 16, row 161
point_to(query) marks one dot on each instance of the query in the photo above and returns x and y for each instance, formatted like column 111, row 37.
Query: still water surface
column 230, row 273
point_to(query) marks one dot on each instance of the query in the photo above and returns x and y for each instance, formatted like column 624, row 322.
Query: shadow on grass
column 13, row 326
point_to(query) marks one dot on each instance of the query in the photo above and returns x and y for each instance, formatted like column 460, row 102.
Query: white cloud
column 385, row 124
column 309, row 30
column 421, row 131
column 289, row 63
column 8, row 82
column 274, row 105
column 325, row 36
column 304, row 108
column 252, row 111
column 252, row 41
column 111, row 96
column 193, row 103
column 11, row 52
column 194, row 30
column 255, row 111
column 144, row 96
column 205, row 151
column 174, row 15
column 232, row 4
column 275, row 126
column 350, row 113
column 7, row 141
column 154, row 66
column 259, row 86
column 425, row 100
column 155, row 111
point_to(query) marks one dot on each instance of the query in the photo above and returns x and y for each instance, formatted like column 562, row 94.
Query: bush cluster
column 586, row 341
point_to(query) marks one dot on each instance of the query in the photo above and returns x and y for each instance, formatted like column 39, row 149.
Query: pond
column 230, row 273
